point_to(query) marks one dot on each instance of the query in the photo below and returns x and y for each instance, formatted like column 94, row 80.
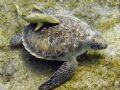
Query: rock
column 8, row 70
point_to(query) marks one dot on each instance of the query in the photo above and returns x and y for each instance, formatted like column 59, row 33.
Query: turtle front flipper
column 39, row 25
column 61, row 75
column 16, row 40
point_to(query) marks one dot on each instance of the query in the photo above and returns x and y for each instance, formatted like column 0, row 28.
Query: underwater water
column 98, row 70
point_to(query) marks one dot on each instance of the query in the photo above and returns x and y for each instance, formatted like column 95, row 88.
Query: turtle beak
column 104, row 46
column 99, row 46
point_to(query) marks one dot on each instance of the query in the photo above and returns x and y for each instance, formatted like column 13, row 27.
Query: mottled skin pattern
column 62, row 42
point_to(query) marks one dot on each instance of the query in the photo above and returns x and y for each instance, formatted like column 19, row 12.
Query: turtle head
column 96, row 41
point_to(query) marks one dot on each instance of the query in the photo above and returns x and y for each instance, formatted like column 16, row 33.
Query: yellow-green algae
column 99, row 70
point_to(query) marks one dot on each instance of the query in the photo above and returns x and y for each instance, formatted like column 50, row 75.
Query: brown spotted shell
column 56, row 41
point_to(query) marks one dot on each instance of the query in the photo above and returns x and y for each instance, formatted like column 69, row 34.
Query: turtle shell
column 54, row 42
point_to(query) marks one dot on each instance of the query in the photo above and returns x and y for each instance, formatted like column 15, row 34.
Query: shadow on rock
column 39, row 66
column 45, row 67
column 90, row 58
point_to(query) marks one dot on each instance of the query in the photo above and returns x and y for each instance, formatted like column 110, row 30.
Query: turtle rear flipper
column 16, row 40
column 61, row 75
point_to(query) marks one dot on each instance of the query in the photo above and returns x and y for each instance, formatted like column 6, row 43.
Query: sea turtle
column 38, row 18
column 63, row 42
